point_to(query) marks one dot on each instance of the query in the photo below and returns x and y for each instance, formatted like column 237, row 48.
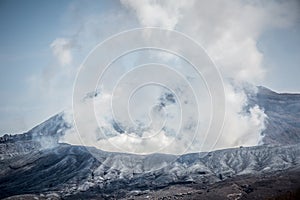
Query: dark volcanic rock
column 71, row 170
column 35, row 164
column 283, row 111
column 46, row 170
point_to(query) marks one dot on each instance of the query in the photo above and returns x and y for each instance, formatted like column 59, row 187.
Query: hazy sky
column 42, row 44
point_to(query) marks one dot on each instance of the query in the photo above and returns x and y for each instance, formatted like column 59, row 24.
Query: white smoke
column 61, row 48
column 229, row 31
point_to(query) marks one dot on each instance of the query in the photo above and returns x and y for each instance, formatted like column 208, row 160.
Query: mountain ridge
column 69, row 171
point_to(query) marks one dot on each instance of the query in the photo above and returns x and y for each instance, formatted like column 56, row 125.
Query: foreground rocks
column 73, row 172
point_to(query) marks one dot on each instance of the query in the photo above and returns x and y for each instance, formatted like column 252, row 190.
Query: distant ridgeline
column 282, row 123
column 13, row 138
column 53, row 127
column 29, row 166
column 283, row 116
column 43, row 136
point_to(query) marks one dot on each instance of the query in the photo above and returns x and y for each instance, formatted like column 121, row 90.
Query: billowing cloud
column 157, row 13
column 61, row 48
column 229, row 32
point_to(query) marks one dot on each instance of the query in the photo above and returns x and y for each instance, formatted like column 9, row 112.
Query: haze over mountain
column 158, row 99
column 57, row 170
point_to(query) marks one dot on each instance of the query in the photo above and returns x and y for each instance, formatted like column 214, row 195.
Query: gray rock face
column 283, row 111
column 35, row 163
column 52, row 128
column 46, row 170
column 282, row 123
column 44, row 135
column 70, row 170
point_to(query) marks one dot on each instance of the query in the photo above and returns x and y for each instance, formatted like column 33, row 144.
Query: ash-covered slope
column 44, row 135
column 72, row 170
column 283, row 116
column 35, row 163
column 282, row 123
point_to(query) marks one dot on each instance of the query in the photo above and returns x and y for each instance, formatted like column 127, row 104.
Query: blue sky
column 28, row 28
column 281, row 49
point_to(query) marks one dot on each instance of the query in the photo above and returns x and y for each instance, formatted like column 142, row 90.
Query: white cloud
column 61, row 48
column 229, row 31
column 157, row 13
column 241, row 128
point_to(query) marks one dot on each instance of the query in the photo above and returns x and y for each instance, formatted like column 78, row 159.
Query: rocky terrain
column 283, row 111
column 278, row 185
column 34, row 165
column 70, row 170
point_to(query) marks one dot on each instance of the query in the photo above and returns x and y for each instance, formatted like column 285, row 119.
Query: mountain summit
column 35, row 165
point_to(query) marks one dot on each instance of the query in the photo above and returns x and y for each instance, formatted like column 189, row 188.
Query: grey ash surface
column 29, row 169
